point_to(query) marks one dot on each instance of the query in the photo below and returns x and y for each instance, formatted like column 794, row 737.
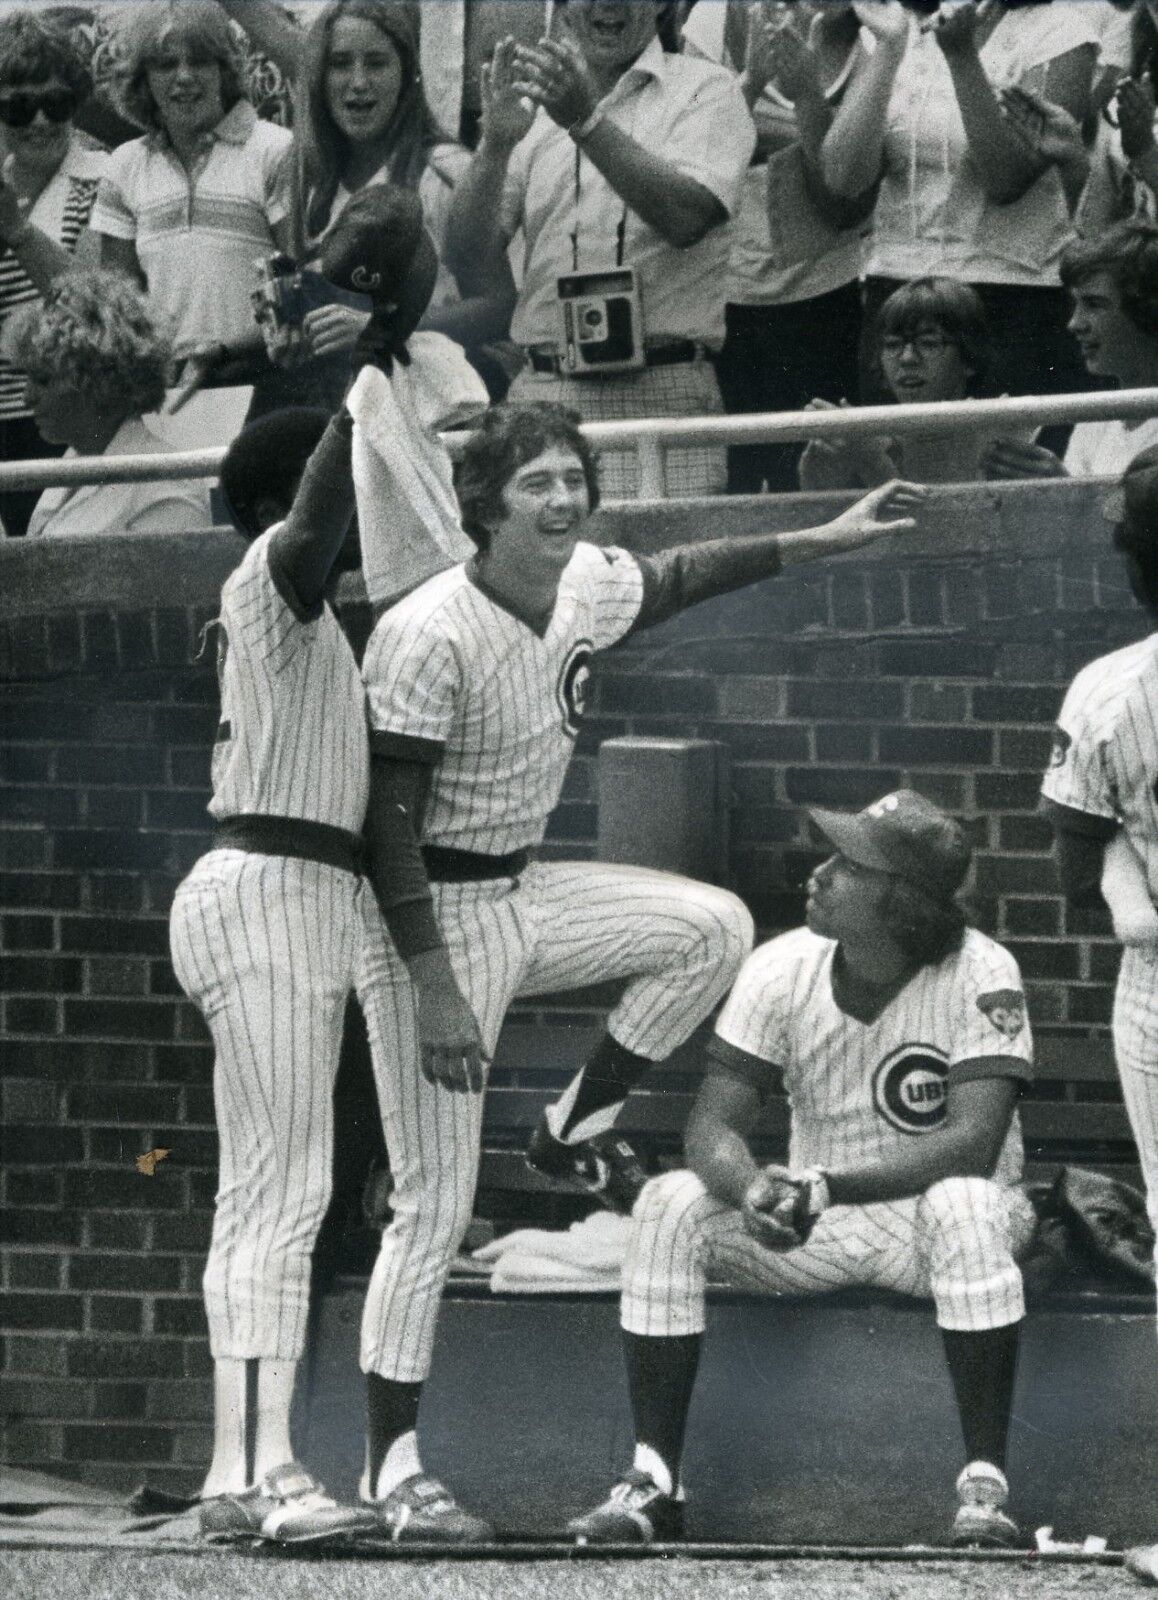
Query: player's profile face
column 546, row 506
column 845, row 899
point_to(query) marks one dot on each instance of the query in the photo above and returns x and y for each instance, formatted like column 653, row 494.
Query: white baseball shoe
column 288, row 1506
column 981, row 1521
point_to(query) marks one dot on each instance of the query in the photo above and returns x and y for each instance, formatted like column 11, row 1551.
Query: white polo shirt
column 178, row 506
column 197, row 238
column 690, row 112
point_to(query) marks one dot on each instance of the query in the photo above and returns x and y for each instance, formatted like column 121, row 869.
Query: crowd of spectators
column 639, row 209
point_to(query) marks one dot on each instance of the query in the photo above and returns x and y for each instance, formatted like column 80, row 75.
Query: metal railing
column 651, row 435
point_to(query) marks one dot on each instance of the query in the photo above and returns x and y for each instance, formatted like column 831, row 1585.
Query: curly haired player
column 900, row 1036
column 476, row 683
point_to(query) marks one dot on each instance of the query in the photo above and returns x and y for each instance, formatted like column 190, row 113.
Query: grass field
column 117, row 1575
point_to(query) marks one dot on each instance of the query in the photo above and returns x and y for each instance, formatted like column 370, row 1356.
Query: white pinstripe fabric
column 266, row 947
column 1106, row 764
column 563, row 926
column 689, row 389
column 958, row 1243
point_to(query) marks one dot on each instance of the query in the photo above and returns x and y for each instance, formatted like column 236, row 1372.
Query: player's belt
column 447, row 865
column 291, row 836
column 673, row 353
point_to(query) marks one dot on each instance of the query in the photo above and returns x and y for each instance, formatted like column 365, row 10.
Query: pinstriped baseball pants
column 563, row 926
column 957, row 1243
column 1135, row 1024
column 266, row 946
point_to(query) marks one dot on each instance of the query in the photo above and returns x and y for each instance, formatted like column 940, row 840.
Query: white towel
column 589, row 1255
column 407, row 511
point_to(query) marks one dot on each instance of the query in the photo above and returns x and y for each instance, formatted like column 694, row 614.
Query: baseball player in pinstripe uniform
column 475, row 684
column 1101, row 794
column 901, row 1038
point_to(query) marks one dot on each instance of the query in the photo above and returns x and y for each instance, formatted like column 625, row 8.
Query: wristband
column 815, row 1182
column 580, row 130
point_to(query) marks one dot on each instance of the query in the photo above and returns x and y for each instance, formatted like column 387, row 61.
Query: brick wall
column 939, row 666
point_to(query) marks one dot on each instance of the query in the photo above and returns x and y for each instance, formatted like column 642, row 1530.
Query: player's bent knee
column 664, row 1199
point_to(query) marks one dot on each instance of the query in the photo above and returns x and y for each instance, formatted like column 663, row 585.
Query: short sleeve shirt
column 452, row 675
column 692, row 113
column 292, row 738
column 860, row 1090
column 1105, row 754
column 197, row 239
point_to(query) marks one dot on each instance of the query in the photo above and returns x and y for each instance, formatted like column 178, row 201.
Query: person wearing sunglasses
column 931, row 343
column 49, row 172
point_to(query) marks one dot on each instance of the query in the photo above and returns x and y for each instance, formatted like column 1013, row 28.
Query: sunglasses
column 18, row 109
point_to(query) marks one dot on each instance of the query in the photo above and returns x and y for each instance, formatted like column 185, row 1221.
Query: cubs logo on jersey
column 571, row 689
column 909, row 1087
column 1005, row 1009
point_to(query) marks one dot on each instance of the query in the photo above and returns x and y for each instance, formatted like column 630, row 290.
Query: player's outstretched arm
column 308, row 541
column 450, row 1045
column 686, row 574
column 1126, row 891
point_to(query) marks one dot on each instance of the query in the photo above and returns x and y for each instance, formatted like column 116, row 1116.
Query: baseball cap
column 379, row 247
column 905, row 834
column 1135, row 499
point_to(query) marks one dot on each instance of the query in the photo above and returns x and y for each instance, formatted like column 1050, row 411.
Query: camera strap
column 621, row 225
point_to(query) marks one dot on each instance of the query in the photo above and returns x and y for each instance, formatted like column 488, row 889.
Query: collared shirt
column 198, row 235
column 61, row 210
column 690, row 112
column 180, row 506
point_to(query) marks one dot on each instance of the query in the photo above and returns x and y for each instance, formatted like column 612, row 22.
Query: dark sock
column 606, row 1078
column 661, row 1373
column 983, row 1366
column 391, row 1411
column 249, row 1424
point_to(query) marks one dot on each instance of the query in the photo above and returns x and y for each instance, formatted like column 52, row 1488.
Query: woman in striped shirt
column 48, row 183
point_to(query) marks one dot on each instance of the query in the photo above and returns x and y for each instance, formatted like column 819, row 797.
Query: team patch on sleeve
column 1005, row 1009
column 1060, row 747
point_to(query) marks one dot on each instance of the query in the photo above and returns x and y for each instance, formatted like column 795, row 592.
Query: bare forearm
column 478, row 319
column 1003, row 163
column 679, row 209
column 853, row 148
column 473, row 229
column 908, row 1172
column 41, row 258
column 722, row 1161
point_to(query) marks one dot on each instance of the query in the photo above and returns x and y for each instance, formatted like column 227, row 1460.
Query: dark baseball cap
column 904, row 834
column 1135, row 500
column 379, row 247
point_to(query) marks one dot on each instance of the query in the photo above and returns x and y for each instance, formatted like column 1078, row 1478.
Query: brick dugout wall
column 940, row 667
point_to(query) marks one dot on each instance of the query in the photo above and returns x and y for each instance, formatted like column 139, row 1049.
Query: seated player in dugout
column 475, row 684
column 1100, row 793
column 900, row 1035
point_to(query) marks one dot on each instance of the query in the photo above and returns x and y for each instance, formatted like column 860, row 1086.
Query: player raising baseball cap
column 379, row 247
column 904, row 834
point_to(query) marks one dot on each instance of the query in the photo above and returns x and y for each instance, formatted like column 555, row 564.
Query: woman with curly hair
column 188, row 207
column 49, row 173
column 95, row 364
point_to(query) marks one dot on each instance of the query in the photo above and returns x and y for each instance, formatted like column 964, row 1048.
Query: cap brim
column 852, row 838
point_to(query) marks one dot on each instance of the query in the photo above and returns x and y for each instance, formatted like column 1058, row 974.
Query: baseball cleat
column 635, row 1512
column 980, row 1521
column 605, row 1166
column 423, row 1511
column 286, row 1507
column 1143, row 1562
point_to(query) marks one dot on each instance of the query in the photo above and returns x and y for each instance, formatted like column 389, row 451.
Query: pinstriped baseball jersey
column 1105, row 754
column 498, row 704
column 860, row 1090
column 292, row 737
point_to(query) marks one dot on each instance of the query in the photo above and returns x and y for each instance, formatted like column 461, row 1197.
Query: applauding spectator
column 187, row 209
column 49, row 173
column 1114, row 284
column 95, row 363
column 932, row 344
column 1124, row 174
column 960, row 194
column 630, row 166
column 793, row 314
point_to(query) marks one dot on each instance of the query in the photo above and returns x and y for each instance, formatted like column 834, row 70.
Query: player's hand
column 1013, row 458
column 554, row 74
column 1134, row 102
column 890, row 509
column 774, row 1211
column 450, row 1044
column 331, row 330
column 506, row 112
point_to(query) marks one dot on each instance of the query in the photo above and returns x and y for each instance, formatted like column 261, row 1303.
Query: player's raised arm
column 308, row 541
column 686, row 574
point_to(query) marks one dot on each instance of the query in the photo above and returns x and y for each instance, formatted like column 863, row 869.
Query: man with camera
column 621, row 163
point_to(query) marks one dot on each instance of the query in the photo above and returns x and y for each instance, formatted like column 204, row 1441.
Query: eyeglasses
column 19, row 107
column 925, row 344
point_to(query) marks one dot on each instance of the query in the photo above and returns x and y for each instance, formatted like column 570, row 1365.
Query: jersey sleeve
column 752, row 1028
column 992, row 1037
column 413, row 677
column 614, row 584
column 1077, row 779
